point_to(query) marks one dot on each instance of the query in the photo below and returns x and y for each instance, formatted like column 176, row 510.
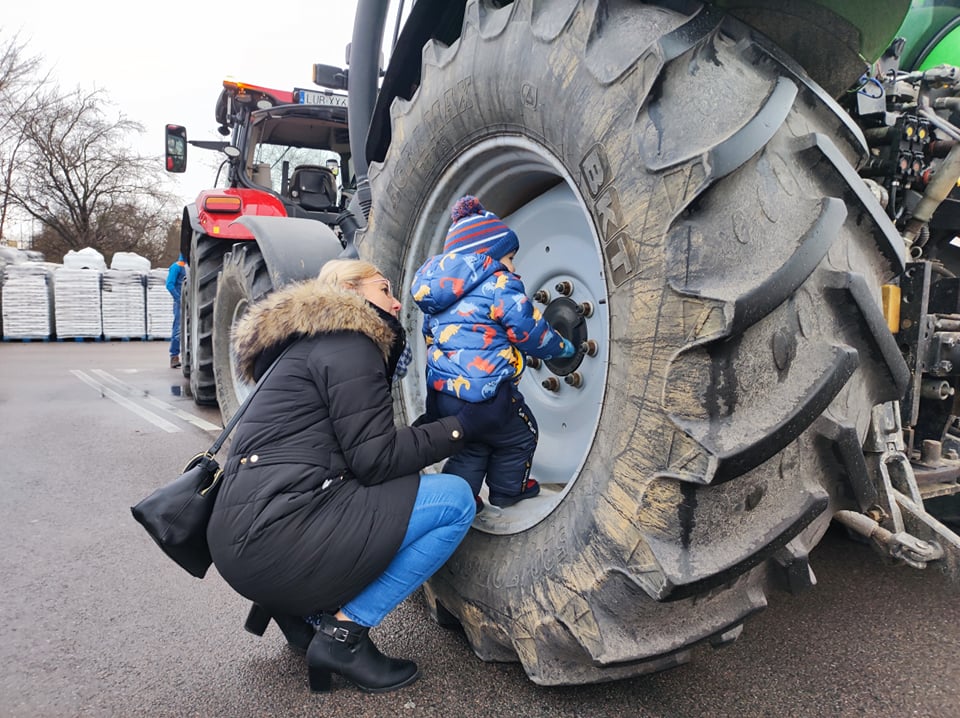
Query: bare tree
column 19, row 85
column 78, row 178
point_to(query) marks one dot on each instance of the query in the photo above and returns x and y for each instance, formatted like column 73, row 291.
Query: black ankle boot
column 298, row 632
column 343, row 647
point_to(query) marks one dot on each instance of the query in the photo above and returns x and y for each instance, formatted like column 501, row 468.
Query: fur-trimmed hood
column 304, row 309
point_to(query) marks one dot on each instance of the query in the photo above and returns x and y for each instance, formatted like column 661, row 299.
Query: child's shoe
column 530, row 489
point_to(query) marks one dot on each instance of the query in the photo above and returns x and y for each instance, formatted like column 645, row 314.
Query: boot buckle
column 338, row 633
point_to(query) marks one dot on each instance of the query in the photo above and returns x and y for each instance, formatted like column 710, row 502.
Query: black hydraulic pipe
column 882, row 135
column 368, row 26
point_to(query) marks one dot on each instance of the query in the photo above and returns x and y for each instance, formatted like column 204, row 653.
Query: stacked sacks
column 124, row 297
column 123, row 301
column 76, row 294
column 27, row 308
column 159, row 305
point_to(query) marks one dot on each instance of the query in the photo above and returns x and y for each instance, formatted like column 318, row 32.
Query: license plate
column 312, row 97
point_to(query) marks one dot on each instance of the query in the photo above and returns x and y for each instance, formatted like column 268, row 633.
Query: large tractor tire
column 185, row 353
column 206, row 256
column 685, row 199
column 243, row 280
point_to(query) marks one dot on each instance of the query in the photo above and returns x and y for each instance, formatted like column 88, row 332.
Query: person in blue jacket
column 478, row 324
column 174, row 280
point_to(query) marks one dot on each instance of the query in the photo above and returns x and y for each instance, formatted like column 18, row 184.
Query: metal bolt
column 533, row 362
column 585, row 309
column 542, row 296
column 589, row 348
column 551, row 384
column 565, row 288
column 574, row 379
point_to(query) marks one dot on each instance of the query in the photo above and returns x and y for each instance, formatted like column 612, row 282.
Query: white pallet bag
column 86, row 258
column 130, row 261
column 76, row 295
column 159, row 305
column 123, row 302
column 27, row 301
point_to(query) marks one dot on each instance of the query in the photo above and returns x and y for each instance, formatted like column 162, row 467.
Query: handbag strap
column 212, row 451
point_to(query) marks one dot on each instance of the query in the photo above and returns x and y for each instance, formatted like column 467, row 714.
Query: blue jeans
column 442, row 514
column 175, row 332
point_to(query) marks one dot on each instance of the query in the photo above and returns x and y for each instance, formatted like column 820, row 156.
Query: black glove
column 431, row 413
column 484, row 417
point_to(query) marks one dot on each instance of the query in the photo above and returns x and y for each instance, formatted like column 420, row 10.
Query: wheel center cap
column 566, row 317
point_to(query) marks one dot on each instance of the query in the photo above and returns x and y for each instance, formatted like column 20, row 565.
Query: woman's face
column 377, row 290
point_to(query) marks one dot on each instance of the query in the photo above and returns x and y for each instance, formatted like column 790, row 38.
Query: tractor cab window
column 274, row 166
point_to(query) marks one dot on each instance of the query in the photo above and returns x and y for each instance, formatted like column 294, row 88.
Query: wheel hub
column 562, row 268
column 567, row 318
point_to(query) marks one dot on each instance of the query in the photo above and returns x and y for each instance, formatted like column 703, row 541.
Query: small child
column 478, row 325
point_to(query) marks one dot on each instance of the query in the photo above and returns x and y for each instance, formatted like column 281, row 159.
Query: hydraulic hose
column 944, row 180
column 368, row 26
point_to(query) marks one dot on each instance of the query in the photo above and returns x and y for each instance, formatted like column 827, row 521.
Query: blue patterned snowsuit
column 478, row 325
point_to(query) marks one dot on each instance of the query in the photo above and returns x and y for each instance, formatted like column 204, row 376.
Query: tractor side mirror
column 176, row 141
column 330, row 76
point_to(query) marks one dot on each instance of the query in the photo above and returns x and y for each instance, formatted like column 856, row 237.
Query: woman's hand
column 432, row 413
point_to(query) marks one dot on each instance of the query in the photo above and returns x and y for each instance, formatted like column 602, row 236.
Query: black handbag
column 176, row 515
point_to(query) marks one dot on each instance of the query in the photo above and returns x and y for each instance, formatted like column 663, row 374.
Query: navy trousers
column 503, row 456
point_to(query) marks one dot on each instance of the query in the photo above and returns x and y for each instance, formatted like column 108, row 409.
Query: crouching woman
column 323, row 516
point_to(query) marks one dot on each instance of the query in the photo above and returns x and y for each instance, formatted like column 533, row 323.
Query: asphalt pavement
column 96, row 621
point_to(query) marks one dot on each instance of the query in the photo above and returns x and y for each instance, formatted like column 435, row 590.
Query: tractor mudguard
column 286, row 249
column 293, row 249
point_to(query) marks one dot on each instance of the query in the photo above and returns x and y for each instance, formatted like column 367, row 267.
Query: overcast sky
column 165, row 62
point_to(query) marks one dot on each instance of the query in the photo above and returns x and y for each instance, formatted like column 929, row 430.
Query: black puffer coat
column 286, row 531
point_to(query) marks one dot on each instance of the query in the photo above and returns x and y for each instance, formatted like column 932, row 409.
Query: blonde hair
column 347, row 273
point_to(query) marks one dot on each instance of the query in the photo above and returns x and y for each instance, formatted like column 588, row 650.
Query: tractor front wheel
column 206, row 257
column 243, row 280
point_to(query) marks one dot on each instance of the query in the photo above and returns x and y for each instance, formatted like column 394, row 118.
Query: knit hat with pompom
column 477, row 231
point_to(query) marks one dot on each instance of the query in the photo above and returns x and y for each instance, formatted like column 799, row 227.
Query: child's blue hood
column 444, row 279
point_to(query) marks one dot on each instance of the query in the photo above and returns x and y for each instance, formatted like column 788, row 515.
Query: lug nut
column 533, row 362
column 585, row 309
column 551, row 384
column 542, row 296
column 589, row 348
column 565, row 288
column 574, row 379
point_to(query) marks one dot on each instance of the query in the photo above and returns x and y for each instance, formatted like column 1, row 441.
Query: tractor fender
column 189, row 225
column 293, row 249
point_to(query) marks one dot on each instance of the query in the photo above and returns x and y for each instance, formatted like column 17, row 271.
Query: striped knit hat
column 477, row 231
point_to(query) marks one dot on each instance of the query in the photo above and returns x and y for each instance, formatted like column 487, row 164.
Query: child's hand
column 567, row 350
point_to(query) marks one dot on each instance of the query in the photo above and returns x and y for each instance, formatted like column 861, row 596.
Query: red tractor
column 287, row 162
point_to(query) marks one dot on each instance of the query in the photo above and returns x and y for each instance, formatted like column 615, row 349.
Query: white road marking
column 149, row 398
column 158, row 421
